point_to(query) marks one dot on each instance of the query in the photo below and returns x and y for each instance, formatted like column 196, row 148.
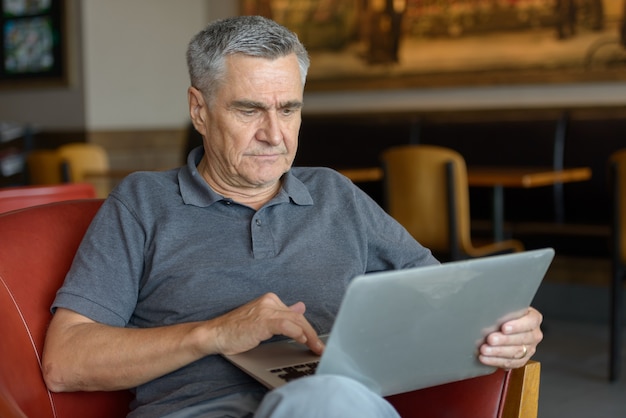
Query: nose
column 270, row 130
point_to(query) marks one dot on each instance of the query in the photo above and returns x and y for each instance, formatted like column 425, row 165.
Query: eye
column 288, row 111
column 249, row 111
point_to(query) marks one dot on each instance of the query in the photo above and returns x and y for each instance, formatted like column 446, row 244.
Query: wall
column 134, row 61
column 469, row 98
column 136, row 78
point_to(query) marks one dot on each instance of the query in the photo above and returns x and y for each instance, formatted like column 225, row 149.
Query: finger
column 530, row 339
column 290, row 322
column 513, row 351
column 503, row 363
column 302, row 332
column 308, row 334
column 507, row 357
column 298, row 307
column 530, row 321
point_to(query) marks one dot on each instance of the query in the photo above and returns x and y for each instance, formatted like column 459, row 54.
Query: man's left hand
column 514, row 343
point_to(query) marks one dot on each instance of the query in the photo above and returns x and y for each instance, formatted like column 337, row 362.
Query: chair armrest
column 522, row 399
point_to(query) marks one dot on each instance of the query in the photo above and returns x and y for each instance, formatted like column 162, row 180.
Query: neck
column 254, row 197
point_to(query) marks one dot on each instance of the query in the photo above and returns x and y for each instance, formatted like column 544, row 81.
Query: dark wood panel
column 505, row 137
column 53, row 139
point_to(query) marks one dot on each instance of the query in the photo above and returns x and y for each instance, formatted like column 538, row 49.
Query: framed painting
column 32, row 39
column 356, row 44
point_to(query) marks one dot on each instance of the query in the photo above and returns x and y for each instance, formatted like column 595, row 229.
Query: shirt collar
column 195, row 190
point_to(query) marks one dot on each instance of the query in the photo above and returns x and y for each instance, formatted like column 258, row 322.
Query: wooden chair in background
column 69, row 163
column 617, row 175
column 81, row 159
column 426, row 191
column 43, row 166
column 37, row 248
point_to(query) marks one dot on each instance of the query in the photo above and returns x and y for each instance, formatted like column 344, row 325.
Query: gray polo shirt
column 165, row 248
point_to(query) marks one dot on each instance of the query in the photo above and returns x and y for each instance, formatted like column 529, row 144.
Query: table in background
column 519, row 177
column 497, row 178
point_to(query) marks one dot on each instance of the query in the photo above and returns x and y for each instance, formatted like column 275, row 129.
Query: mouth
column 266, row 155
column 263, row 157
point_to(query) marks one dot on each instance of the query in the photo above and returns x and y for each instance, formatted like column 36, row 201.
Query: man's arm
column 80, row 354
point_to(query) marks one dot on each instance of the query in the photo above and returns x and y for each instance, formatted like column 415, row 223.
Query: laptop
column 403, row 330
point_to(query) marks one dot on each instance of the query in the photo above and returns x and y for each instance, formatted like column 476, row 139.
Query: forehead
column 247, row 75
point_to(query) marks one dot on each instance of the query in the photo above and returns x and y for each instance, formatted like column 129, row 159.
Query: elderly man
column 231, row 250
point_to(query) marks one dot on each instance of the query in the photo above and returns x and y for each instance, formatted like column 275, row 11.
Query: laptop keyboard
column 290, row 373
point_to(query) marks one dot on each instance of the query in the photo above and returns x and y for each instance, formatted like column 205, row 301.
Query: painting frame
column 33, row 44
column 591, row 46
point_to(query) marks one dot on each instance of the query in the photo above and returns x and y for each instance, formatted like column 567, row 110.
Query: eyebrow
column 251, row 104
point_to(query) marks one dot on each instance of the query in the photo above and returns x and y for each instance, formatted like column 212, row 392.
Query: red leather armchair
column 12, row 198
column 36, row 250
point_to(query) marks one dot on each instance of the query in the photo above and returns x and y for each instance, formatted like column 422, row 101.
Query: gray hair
column 254, row 36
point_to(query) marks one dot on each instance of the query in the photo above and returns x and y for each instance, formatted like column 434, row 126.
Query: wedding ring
column 525, row 351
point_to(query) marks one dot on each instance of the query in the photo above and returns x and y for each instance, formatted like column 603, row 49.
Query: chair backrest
column 418, row 195
column 82, row 158
column 44, row 167
column 37, row 247
column 12, row 198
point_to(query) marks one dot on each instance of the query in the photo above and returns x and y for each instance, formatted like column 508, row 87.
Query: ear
column 197, row 109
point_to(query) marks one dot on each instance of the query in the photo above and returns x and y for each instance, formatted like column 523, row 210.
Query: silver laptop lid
column 404, row 330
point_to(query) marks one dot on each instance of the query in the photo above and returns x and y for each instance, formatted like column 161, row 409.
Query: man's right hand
column 247, row 326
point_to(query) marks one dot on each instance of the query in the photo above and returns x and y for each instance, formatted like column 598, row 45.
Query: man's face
column 251, row 126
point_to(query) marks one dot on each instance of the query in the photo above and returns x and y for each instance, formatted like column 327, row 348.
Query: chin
column 271, row 174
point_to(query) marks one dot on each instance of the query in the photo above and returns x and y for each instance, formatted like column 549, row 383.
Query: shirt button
column 258, row 222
